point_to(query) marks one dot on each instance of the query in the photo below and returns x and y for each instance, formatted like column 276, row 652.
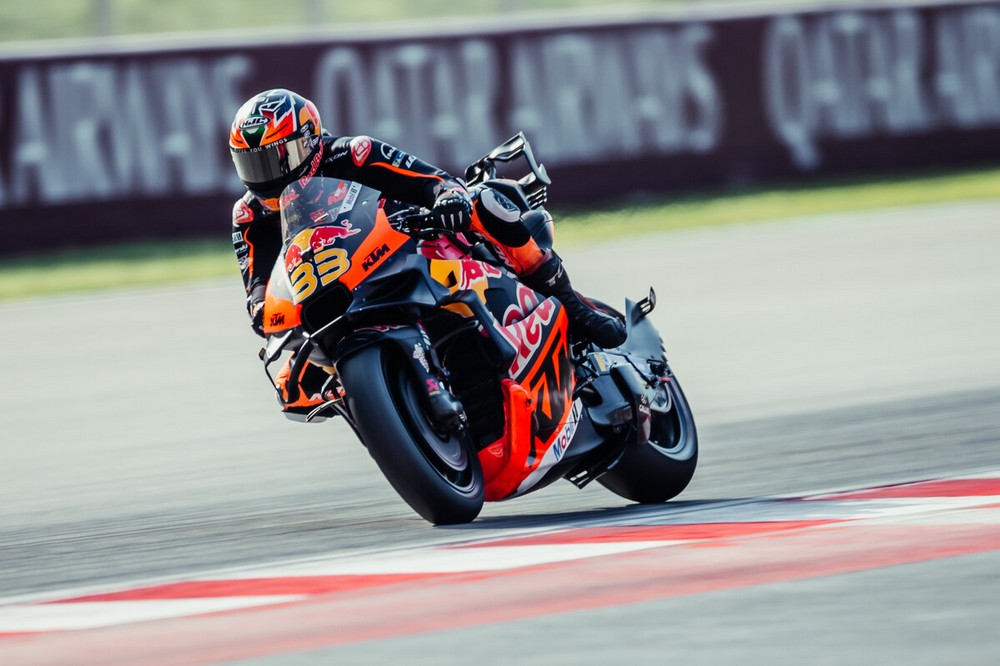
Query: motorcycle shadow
column 629, row 514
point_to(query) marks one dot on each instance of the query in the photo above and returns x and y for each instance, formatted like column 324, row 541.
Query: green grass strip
column 775, row 203
column 132, row 265
column 178, row 261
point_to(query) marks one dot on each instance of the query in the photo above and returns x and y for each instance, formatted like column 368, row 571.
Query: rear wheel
column 436, row 473
column 661, row 468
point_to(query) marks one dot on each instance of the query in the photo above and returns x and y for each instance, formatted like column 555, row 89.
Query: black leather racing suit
column 400, row 177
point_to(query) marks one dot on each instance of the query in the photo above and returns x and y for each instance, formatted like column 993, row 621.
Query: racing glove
column 255, row 306
column 452, row 211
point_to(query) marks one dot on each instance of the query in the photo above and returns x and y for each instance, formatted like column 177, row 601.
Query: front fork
column 446, row 411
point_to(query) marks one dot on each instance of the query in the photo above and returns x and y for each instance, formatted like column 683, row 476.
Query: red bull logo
column 326, row 236
column 293, row 257
column 314, row 241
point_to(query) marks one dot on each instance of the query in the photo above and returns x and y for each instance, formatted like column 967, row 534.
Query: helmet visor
column 274, row 161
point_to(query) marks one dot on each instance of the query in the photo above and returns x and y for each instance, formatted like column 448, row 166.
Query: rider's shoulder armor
column 344, row 152
column 245, row 210
column 248, row 209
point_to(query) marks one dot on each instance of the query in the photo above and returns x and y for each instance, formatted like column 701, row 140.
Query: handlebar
column 413, row 222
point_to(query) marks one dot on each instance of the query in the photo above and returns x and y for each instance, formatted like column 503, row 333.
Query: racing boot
column 549, row 278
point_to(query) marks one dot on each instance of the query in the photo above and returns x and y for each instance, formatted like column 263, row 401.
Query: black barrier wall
column 129, row 145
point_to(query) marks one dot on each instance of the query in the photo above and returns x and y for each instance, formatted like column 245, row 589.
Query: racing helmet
column 275, row 139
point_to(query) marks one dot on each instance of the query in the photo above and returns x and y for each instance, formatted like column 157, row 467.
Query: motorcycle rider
column 277, row 138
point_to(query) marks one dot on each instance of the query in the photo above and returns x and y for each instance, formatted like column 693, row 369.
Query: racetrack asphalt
column 140, row 440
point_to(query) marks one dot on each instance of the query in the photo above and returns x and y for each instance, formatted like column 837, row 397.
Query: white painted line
column 94, row 614
column 458, row 556
column 453, row 560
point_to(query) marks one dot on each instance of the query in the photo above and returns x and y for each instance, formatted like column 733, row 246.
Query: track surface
column 140, row 441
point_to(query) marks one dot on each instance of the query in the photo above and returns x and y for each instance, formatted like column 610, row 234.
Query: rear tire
column 437, row 474
column 660, row 469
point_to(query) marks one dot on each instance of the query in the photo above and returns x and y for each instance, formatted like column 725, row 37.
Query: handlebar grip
column 412, row 221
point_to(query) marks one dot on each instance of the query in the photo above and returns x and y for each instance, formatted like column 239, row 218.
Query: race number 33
column 325, row 267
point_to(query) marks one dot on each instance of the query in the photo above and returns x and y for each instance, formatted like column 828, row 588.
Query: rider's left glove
column 452, row 211
column 257, row 318
column 255, row 307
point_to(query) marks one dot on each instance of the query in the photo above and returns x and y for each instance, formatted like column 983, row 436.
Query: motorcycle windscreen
column 324, row 223
column 313, row 202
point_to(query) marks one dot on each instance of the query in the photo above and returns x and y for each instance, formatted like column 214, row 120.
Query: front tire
column 437, row 474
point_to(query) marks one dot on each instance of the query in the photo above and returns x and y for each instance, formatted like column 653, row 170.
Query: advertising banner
column 131, row 144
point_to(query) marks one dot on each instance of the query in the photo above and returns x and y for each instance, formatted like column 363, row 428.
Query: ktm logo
column 373, row 258
column 277, row 319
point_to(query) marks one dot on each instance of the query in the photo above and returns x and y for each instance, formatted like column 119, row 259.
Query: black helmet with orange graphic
column 275, row 139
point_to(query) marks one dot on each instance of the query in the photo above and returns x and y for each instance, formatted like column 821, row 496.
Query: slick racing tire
column 660, row 469
column 437, row 474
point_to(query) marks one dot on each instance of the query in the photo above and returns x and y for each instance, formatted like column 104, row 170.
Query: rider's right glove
column 452, row 211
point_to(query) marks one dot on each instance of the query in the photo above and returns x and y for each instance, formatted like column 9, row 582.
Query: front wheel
column 436, row 473
column 661, row 468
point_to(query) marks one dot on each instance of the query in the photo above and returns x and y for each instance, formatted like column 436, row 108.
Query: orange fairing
column 538, row 403
column 280, row 313
column 505, row 460
column 379, row 245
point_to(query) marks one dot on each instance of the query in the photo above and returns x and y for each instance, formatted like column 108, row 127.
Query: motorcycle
column 464, row 384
